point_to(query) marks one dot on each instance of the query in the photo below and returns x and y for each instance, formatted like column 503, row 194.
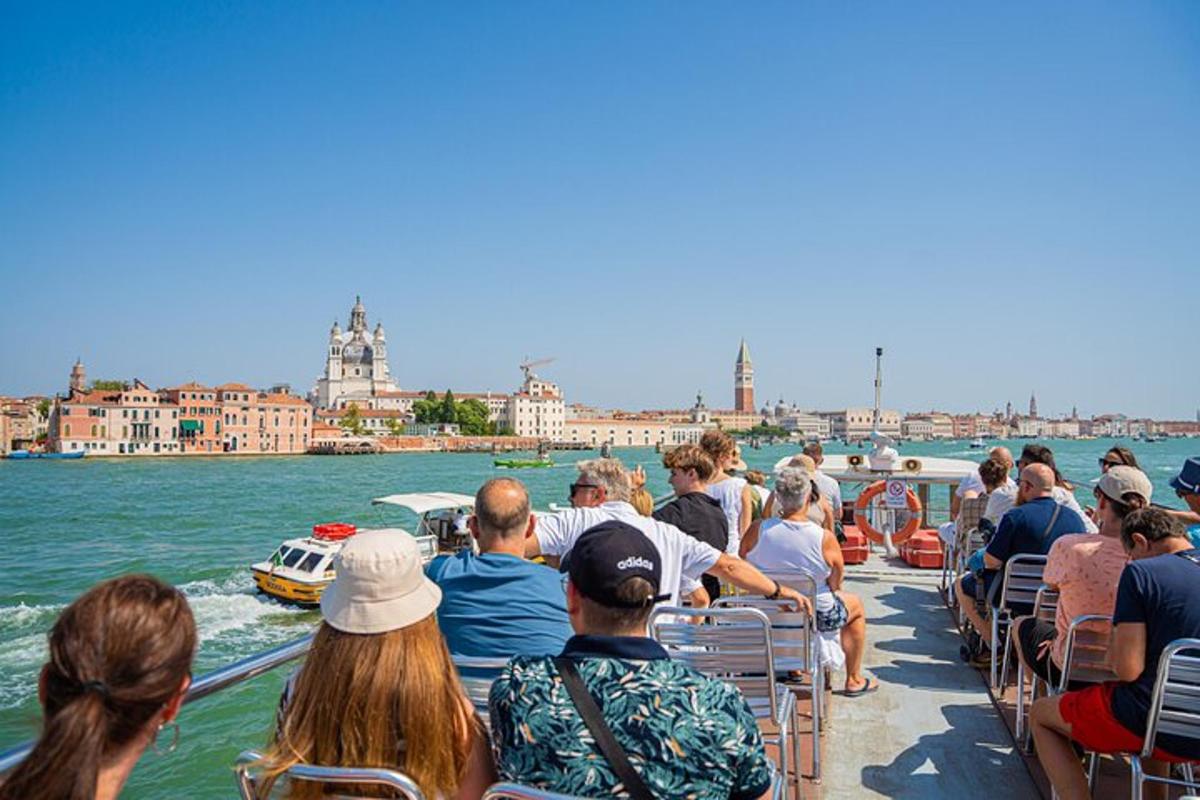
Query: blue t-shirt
column 496, row 605
column 1163, row 593
column 1026, row 530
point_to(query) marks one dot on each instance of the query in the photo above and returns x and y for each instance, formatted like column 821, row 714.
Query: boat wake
column 231, row 618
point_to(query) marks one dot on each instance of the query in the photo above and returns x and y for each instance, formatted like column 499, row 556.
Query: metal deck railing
column 209, row 683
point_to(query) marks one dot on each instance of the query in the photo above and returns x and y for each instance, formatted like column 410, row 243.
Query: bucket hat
column 1188, row 479
column 380, row 585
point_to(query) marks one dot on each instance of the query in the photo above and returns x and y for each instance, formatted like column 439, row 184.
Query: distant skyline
column 1004, row 198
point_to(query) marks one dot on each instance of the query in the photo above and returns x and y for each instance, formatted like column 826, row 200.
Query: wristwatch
column 778, row 589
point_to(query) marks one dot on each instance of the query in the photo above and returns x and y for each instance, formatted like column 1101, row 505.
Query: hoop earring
column 170, row 748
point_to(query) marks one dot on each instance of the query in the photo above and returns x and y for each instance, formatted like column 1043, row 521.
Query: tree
column 449, row 411
column 473, row 418
column 352, row 420
column 43, row 408
column 108, row 386
column 427, row 411
column 395, row 427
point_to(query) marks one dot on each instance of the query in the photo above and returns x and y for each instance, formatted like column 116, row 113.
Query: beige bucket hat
column 380, row 585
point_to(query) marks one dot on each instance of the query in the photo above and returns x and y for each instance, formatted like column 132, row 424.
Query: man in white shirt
column 1040, row 454
column 827, row 487
column 601, row 493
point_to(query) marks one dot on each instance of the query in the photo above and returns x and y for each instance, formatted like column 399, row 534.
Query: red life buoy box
column 855, row 549
column 923, row 549
column 333, row 531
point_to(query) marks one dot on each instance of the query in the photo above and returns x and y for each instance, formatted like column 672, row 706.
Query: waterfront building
column 619, row 432
column 24, row 424
column 199, row 417
column 857, row 423
column 356, row 366
column 128, row 421
column 537, row 410
column 262, row 422
column 743, row 381
column 5, row 434
column 917, row 428
column 939, row 425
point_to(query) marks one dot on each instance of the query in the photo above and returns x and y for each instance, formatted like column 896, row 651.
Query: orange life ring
column 876, row 536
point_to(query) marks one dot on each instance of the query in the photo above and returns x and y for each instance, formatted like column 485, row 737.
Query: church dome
column 357, row 353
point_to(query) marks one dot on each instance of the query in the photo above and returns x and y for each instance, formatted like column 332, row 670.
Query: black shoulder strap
column 593, row 717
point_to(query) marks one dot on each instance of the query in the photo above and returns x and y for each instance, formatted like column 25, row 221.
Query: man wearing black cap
column 681, row 732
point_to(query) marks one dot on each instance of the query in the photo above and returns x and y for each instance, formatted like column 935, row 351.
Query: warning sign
column 896, row 494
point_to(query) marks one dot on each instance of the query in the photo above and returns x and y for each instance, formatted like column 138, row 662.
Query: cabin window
column 310, row 563
column 281, row 553
column 291, row 558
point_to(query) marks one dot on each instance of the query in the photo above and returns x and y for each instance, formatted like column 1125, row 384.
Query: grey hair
column 792, row 488
column 609, row 473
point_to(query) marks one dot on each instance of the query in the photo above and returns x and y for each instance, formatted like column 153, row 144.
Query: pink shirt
column 1086, row 568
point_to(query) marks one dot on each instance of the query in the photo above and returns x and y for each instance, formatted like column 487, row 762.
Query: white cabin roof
column 929, row 470
column 424, row 502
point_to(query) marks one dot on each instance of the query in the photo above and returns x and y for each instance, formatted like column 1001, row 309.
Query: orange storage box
column 923, row 549
column 854, row 549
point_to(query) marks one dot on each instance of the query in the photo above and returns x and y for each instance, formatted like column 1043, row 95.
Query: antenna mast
column 878, row 386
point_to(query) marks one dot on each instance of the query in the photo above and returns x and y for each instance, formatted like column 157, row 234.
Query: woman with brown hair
column 378, row 687
column 734, row 494
column 120, row 665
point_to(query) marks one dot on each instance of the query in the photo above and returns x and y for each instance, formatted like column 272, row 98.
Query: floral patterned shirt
column 687, row 735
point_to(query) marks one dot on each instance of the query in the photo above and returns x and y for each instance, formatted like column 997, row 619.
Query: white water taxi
column 300, row 569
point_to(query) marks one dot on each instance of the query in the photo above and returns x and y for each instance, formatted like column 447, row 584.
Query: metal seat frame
column 1022, row 579
column 1045, row 606
column 1174, row 709
column 736, row 648
column 393, row 779
column 479, row 688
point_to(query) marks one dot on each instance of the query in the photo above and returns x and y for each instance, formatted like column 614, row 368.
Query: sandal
column 869, row 686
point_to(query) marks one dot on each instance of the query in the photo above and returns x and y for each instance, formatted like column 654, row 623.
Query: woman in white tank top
column 794, row 543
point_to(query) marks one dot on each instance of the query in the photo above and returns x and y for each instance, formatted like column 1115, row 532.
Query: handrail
column 209, row 683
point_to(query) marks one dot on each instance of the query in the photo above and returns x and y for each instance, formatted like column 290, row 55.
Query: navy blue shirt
column 1163, row 593
column 497, row 605
column 1026, row 530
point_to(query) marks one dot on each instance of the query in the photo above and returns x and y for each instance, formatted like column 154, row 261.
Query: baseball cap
column 380, row 585
column 608, row 554
column 1121, row 480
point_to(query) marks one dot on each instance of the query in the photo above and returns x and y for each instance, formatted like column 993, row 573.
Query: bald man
column 1031, row 527
column 495, row 604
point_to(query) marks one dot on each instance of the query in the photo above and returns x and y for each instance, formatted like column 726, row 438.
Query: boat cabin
column 442, row 518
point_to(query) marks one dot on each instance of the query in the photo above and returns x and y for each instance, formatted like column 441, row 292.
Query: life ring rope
column 874, row 534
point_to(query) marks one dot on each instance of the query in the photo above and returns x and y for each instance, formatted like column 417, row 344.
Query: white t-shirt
column 728, row 493
column 684, row 559
column 1004, row 498
column 831, row 490
column 787, row 545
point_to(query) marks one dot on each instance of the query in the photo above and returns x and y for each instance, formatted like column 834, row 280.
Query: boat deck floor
column 931, row 730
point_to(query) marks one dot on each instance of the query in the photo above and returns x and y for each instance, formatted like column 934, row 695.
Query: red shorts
column 1089, row 713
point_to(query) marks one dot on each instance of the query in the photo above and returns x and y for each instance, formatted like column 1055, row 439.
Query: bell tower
column 743, row 381
column 78, row 377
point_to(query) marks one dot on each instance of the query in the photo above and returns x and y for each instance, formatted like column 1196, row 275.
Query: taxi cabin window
column 311, row 562
column 291, row 558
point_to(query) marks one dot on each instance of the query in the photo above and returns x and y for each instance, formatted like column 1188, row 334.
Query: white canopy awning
column 424, row 502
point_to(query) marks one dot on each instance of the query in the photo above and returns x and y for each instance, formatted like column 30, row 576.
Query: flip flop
column 866, row 688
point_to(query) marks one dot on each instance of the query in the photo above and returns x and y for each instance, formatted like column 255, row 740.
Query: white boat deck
column 930, row 730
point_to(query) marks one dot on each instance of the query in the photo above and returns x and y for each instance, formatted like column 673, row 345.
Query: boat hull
column 288, row 590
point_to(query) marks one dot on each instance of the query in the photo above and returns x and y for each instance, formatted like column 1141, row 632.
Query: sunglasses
column 1104, row 462
column 575, row 487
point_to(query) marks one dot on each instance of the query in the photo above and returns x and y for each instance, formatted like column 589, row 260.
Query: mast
column 876, row 419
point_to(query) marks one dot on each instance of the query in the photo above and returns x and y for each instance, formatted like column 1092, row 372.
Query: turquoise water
column 199, row 522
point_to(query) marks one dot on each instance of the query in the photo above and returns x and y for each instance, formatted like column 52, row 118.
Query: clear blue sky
column 1005, row 196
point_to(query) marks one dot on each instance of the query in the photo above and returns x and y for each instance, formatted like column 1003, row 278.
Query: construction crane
column 528, row 366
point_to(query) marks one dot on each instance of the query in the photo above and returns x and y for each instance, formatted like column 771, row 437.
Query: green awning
column 189, row 425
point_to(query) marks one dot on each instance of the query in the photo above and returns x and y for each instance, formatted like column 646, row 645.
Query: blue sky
column 1005, row 196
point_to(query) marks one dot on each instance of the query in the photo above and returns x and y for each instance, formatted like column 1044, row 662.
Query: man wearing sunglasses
column 601, row 493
